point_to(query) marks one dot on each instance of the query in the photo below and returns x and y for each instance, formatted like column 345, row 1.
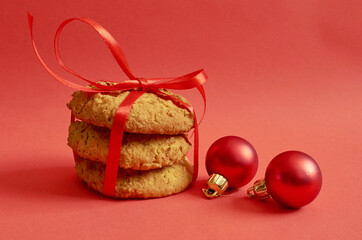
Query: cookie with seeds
column 150, row 114
column 154, row 183
column 139, row 151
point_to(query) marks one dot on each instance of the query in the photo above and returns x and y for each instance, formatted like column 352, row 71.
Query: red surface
column 285, row 75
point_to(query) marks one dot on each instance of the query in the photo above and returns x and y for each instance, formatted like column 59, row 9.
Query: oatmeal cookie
column 150, row 114
column 138, row 184
column 139, row 151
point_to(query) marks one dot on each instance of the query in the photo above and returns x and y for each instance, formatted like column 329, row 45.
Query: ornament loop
column 210, row 193
column 251, row 192
column 259, row 190
column 217, row 185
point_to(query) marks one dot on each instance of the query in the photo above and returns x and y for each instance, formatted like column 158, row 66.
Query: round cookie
column 138, row 184
column 150, row 114
column 139, row 151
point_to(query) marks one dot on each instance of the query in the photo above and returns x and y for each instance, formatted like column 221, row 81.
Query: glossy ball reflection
column 234, row 158
column 293, row 179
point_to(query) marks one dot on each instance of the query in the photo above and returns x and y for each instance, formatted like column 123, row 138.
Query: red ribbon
column 137, row 86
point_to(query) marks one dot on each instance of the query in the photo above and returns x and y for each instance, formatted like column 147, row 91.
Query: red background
column 285, row 75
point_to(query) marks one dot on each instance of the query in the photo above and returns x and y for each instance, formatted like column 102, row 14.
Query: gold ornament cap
column 259, row 190
column 217, row 185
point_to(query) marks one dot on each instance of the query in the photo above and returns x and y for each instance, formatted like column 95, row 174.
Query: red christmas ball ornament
column 232, row 162
column 292, row 178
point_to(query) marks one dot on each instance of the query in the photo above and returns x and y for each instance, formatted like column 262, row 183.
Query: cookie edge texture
column 150, row 114
column 156, row 183
column 139, row 151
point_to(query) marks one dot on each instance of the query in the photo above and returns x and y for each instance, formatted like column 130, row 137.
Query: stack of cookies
column 153, row 159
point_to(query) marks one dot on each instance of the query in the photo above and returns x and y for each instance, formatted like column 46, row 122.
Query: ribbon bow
column 136, row 86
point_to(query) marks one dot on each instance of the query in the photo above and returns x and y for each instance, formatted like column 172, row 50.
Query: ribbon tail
column 195, row 133
column 202, row 92
column 72, row 119
column 196, row 151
